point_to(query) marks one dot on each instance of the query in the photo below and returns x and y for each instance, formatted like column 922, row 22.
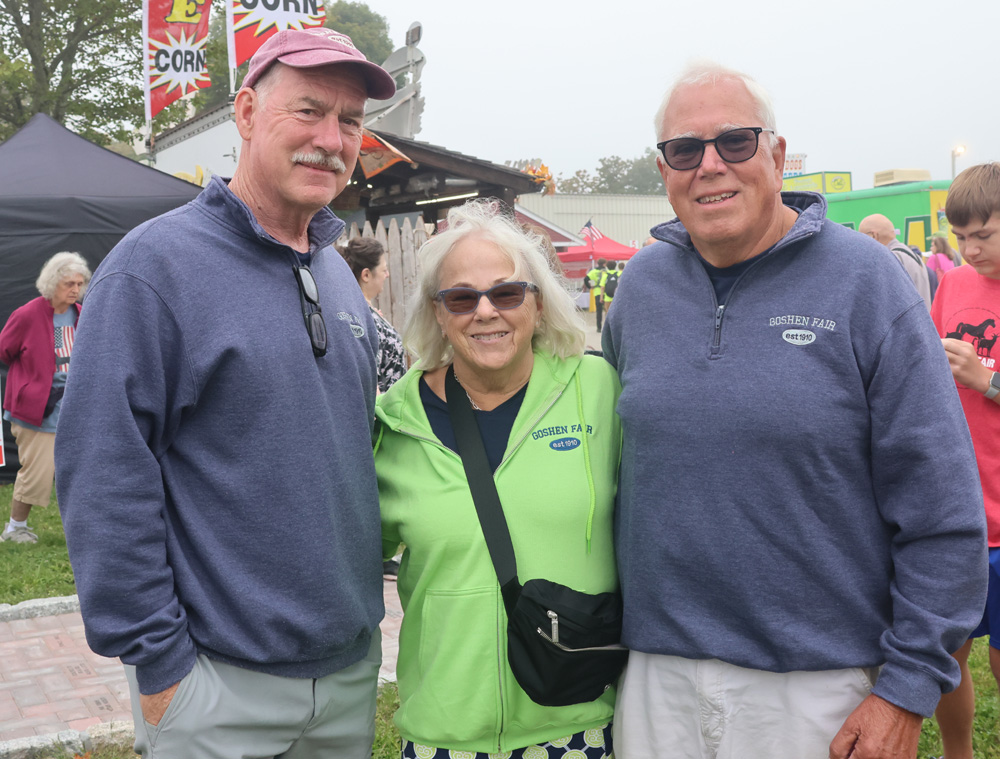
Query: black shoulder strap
column 484, row 489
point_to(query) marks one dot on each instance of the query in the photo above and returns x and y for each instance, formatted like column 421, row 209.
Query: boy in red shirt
column 966, row 311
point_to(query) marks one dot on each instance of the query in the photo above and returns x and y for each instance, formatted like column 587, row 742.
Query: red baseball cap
column 318, row 46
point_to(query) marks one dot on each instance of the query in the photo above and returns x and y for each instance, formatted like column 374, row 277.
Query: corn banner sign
column 250, row 23
column 174, row 34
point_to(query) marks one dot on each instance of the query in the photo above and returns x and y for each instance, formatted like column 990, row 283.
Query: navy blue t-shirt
column 723, row 279
column 494, row 426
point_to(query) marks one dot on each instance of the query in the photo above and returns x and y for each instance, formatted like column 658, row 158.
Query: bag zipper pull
column 555, row 625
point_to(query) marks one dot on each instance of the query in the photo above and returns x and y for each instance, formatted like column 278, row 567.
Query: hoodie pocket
column 456, row 693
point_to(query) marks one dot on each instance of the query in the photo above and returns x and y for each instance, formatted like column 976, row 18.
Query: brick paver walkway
column 51, row 681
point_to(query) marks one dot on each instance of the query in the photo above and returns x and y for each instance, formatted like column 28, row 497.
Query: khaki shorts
column 36, row 452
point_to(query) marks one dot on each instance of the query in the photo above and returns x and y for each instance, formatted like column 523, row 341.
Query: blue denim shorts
column 990, row 625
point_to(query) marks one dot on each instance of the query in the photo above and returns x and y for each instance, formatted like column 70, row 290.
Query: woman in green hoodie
column 490, row 308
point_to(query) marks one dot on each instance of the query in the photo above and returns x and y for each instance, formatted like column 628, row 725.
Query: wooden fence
column 401, row 245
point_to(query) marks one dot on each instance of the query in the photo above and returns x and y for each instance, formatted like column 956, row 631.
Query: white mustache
column 322, row 160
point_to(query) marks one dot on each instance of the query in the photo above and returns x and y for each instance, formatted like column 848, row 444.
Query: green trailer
column 915, row 208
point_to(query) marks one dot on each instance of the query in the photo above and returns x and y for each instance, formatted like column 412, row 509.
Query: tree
column 643, row 176
column 367, row 29
column 617, row 176
column 79, row 61
column 580, row 183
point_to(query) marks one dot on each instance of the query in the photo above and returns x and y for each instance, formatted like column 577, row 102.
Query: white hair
column 709, row 72
column 265, row 83
column 58, row 268
column 560, row 331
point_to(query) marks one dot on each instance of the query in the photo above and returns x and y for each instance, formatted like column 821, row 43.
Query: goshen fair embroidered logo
column 798, row 336
column 353, row 322
column 565, row 444
column 565, row 436
column 802, row 328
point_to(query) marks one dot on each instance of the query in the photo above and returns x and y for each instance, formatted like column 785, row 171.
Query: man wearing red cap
column 214, row 461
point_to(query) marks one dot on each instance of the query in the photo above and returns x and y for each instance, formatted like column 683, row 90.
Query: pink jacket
column 28, row 347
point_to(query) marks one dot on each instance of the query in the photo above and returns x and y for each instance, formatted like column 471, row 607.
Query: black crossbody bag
column 563, row 646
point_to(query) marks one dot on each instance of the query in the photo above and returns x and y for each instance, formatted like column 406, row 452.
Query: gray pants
column 224, row 712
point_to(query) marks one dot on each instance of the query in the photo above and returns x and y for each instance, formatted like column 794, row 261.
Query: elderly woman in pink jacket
column 36, row 344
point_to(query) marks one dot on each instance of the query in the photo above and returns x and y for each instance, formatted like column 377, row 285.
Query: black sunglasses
column 733, row 146
column 309, row 298
column 465, row 300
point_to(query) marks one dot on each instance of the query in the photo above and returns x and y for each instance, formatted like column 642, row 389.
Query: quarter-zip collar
column 811, row 208
column 221, row 203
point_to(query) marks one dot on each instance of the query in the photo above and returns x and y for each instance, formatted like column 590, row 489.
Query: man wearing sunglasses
column 795, row 524
column 215, row 470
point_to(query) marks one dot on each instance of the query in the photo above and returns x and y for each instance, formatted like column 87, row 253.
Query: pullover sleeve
column 927, row 490
column 130, row 384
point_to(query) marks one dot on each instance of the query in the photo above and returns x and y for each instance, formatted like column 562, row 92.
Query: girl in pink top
column 943, row 257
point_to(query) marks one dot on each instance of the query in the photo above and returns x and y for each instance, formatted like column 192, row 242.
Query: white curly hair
column 561, row 330
column 58, row 268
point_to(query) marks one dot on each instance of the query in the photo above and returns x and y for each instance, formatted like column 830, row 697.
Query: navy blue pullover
column 789, row 499
column 216, row 479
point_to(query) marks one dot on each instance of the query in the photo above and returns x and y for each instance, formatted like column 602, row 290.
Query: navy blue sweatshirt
column 216, row 479
column 789, row 499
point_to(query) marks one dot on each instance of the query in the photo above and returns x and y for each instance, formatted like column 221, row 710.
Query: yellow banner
column 824, row 181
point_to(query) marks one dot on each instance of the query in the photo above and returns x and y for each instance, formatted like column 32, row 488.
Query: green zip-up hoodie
column 456, row 689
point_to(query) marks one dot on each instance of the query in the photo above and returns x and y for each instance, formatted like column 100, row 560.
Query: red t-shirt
column 967, row 307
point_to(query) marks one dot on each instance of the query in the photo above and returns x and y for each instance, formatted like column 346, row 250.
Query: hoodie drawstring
column 586, row 457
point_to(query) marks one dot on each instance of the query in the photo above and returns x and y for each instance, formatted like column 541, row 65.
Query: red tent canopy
column 605, row 247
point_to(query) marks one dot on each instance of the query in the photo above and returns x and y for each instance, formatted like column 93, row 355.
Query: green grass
column 986, row 724
column 386, row 737
column 39, row 570
column 43, row 571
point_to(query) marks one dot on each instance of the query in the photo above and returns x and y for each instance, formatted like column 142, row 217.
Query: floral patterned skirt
column 589, row 744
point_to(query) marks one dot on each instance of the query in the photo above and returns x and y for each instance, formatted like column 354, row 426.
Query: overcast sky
column 858, row 86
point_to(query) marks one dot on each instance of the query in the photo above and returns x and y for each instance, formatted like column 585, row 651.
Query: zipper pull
column 718, row 316
column 555, row 625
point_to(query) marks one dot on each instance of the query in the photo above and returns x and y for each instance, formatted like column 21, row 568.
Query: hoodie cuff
column 168, row 669
column 910, row 689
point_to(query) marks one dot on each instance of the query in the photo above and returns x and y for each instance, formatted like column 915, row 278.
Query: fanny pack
column 563, row 646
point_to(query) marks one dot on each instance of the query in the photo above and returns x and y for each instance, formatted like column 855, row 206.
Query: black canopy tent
column 60, row 192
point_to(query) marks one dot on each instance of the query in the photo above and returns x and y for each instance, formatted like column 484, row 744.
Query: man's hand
column 966, row 367
column 878, row 729
column 154, row 706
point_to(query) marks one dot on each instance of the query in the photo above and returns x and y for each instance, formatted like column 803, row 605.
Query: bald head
column 878, row 227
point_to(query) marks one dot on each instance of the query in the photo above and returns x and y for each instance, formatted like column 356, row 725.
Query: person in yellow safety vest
column 611, row 284
column 594, row 281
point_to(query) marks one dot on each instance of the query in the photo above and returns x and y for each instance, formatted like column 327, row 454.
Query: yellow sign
column 186, row 11
column 199, row 177
column 838, row 182
column 938, row 199
column 824, row 181
column 803, row 183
